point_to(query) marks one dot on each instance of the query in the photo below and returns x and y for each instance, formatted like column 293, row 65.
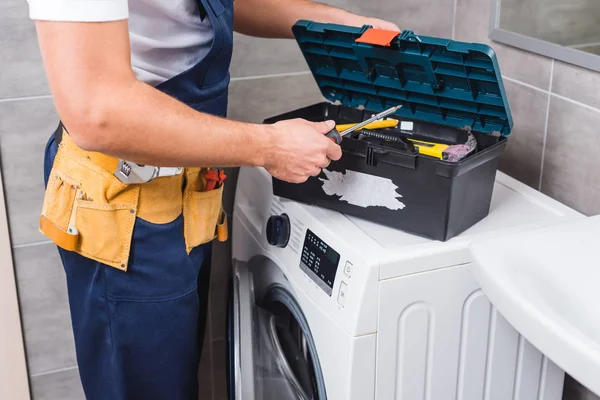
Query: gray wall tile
column 21, row 63
column 523, row 156
column 256, row 99
column 255, row 56
column 25, row 127
column 576, row 83
column 44, row 308
column 64, row 385
column 570, row 172
column 472, row 25
column 424, row 17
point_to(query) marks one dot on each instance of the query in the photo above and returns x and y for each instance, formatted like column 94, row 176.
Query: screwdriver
column 336, row 136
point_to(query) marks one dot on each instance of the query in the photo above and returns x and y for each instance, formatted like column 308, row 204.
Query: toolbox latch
column 371, row 159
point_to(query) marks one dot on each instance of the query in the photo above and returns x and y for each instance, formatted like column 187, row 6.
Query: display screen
column 321, row 260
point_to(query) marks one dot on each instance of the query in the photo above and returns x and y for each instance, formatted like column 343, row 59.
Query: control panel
column 319, row 261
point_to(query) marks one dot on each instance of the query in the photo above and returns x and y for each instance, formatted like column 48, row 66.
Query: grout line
column 251, row 78
column 32, row 244
column 546, row 126
column 552, row 94
column 526, row 84
column 558, row 96
column 54, row 371
column 44, row 96
column 454, row 20
column 584, row 45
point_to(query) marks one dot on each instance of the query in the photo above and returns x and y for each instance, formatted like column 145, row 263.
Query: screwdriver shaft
column 382, row 114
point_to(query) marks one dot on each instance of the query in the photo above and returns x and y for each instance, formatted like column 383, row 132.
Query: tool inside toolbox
column 423, row 138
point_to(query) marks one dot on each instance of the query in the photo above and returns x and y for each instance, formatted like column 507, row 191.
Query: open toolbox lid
column 436, row 80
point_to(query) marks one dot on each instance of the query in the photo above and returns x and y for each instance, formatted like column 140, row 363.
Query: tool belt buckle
column 130, row 172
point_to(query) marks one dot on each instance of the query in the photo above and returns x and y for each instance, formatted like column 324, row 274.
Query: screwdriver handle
column 334, row 136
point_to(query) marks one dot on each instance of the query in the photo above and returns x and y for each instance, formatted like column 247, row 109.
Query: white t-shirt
column 167, row 36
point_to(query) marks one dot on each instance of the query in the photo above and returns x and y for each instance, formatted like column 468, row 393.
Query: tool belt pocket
column 203, row 215
column 88, row 211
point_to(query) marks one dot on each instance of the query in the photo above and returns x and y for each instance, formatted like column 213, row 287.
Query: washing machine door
column 267, row 361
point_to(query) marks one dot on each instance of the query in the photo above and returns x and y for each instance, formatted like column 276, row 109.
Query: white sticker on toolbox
column 362, row 190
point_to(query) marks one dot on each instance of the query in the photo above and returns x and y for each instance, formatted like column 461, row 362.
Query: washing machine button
column 348, row 269
column 342, row 294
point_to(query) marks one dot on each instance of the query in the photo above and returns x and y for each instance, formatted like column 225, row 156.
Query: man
column 141, row 85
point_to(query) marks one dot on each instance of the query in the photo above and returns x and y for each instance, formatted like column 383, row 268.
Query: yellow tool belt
column 89, row 211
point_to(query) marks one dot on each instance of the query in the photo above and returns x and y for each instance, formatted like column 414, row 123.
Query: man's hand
column 378, row 23
column 300, row 149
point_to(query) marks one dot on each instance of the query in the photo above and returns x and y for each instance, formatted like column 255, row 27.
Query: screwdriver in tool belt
column 336, row 136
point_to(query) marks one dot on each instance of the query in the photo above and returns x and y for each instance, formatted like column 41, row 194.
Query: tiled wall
column 554, row 148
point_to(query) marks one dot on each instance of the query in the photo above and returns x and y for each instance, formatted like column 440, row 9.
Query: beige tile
column 20, row 61
column 570, row 172
column 473, row 24
column 44, row 306
column 64, row 385
column 220, row 370
column 25, row 127
column 523, row 156
column 576, row 83
column 256, row 99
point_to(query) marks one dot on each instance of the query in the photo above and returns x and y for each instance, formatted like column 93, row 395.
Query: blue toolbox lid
column 436, row 80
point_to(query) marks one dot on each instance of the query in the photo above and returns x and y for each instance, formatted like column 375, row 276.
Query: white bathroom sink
column 546, row 283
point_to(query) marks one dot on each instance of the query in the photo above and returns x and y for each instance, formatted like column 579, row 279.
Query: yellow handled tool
column 386, row 123
column 430, row 149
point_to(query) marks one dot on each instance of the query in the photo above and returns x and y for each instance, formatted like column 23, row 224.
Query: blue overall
column 138, row 334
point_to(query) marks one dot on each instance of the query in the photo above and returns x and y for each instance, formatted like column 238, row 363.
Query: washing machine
column 329, row 306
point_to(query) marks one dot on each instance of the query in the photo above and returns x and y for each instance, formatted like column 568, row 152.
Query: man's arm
column 106, row 109
column 275, row 18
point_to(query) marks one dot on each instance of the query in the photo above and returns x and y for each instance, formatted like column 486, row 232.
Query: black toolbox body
column 379, row 182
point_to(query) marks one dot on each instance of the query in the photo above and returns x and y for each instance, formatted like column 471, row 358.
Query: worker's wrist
column 262, row 139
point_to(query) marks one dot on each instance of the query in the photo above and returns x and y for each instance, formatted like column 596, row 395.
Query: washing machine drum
column 272, row 353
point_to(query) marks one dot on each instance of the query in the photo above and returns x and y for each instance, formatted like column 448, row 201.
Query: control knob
column 278, row 230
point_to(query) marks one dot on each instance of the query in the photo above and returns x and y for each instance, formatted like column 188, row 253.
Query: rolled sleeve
column 78, row 10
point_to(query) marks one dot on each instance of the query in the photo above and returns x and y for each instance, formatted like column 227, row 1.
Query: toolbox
column 449, row 91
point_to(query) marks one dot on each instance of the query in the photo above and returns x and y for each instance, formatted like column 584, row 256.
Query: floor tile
column 473, row 25
column 21, row 63
column 576, row 83
column 523, row 156
column 44, row 306
column 570, row 172
column 25, row 127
